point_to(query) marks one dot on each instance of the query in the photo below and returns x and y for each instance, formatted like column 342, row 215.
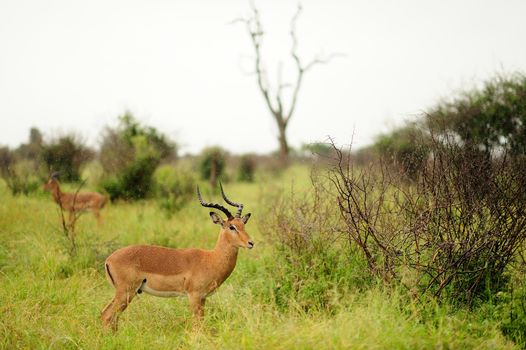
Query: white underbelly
column 161, row 293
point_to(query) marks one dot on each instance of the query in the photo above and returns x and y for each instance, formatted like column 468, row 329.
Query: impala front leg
column 197, row 304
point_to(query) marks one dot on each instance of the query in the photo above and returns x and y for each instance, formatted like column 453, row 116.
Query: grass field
column 51, row 300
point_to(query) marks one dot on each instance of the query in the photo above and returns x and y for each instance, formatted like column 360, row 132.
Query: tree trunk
column 283, row 144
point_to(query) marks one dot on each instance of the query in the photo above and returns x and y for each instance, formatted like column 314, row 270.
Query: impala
column 75, row 202
column 168, row 272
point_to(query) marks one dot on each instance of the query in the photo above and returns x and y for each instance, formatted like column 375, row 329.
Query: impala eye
column 232, row 227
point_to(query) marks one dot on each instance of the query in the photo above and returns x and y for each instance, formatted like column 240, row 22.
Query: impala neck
column 226, row 254
column 55, row 192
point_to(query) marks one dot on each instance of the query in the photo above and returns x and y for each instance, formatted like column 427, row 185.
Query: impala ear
column 245, row 218
column 216, row 219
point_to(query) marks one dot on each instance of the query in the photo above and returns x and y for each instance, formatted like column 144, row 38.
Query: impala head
column 233, row 228
column 52, row 182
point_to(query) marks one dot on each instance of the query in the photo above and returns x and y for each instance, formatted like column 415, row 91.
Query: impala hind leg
column 110, row 314
column 96, row 212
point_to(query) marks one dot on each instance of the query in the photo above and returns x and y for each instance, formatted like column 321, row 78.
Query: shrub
column 174, row 188
column 134, row 182
column 66, row 155
column 456, row 229
column 19, row 176
column 490, row 118
column 247, row 167
column 212, row 164
column 129, row 156
column 405, row 147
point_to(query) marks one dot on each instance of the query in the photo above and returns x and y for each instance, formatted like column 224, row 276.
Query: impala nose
column 250, row 244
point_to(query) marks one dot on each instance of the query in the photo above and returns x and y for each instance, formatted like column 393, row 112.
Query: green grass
column 49, row 300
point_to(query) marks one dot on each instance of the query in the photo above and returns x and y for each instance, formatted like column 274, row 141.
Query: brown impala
column 75, row 202
column 167, row 272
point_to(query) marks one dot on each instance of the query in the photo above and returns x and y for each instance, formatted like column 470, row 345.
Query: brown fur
column 76, row 202
column 194, row 272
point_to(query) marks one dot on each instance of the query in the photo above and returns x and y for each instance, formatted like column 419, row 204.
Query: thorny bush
column 453, row 231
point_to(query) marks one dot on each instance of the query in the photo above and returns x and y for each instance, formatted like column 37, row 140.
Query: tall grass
column 51, row 300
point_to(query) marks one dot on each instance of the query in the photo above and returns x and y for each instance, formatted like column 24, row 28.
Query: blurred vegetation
column 491, row 118
column 174, row 188
column 247, row 168
column 305, row 291
column 405, row 147
column 417, row 241
column 129, row 155
column 212, row 164
column 66, row 154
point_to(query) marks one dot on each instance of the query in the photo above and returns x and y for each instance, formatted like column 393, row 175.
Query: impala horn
column 54, row 175
column 212, row 205
column 239, row 206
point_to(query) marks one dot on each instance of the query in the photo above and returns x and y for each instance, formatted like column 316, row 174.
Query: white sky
column 178, row 65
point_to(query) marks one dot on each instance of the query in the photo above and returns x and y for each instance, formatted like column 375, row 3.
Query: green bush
column 247, row 167
column 406, row 147
column 209, row 156
column 130, row 153
column 490, row 118
column 19, row 176
column 66, row 155
column 174, row 188
column 134, row 182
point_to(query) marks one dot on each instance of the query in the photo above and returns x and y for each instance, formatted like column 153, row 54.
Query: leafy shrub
column 490, row 118
column 174, row 188
column 133, row 182
column 66, row 155
column 130, row 154
column 19, row 176
column 212, row 163
column 247, row 167
column 405, row 147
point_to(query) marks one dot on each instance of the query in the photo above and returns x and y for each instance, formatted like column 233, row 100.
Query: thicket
column 26, row 167
column 437, row 206
column 491, row 118
column 66, row 154
column 212, row 164
column 247, row 168
column 174, row 188
column 129, row 155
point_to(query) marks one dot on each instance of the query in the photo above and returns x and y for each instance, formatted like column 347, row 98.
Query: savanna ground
column 49, row 299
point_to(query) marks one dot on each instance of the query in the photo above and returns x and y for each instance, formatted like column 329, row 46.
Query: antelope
column 168, row 272
column 75, row 202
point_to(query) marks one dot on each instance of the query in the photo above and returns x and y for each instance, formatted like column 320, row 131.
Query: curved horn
column 239, row 206
column 211, row 205
column 54, row 175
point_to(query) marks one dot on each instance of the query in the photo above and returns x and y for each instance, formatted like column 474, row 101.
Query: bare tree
column 281, row 111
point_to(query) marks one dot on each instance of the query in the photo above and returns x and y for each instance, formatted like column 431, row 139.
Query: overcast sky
column 181, row 67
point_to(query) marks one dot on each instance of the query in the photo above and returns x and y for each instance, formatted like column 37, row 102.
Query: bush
column 455, row 230
column 404, row 147
column 212, row 164
column 66, row 155
column 129, row 156
column 174, row 188
column 20, row 177
column 134, row 182
column 247, row 167
column 490, row 118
